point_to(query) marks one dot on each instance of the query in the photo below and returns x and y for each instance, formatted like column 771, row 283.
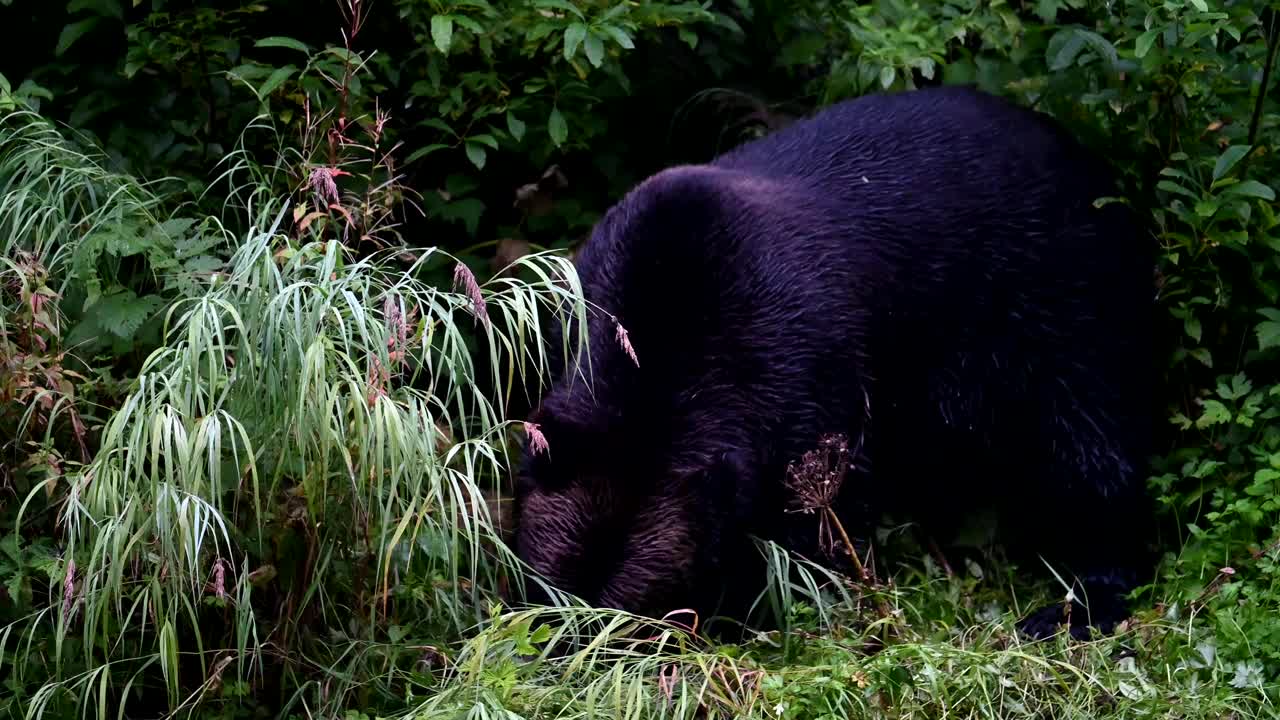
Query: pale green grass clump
column 297, row 377
column 948, row 650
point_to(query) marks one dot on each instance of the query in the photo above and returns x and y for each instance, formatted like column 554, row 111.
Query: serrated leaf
column 442, row 32
column 1268, row 330
column 122, row 313
column 516, row 126
column 1214, row 413
column 73, row 32
column 475, row 153
column 573, row 37
column 1228, row 159
column 557, row 127
column 595, row 49
column 15, row 586
column 280, row 41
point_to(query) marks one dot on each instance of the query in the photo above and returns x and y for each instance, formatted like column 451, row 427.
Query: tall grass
column 305, row 407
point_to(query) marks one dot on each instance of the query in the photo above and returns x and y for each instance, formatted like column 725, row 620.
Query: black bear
column 926, row 273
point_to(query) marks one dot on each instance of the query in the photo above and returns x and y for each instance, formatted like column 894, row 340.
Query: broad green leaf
column 619, row 36
column 573, row 37
column 887, row 75
column 515, row 125
column 277, row 78
column 423, row 152
column 106, row 8
column 1269, row 330
column 1063, row 49
column 1228, row 159
column 484, row 139
column 475, row 153
column 283, row 42
column 1251, row 188
column 558, row 5
column 557, row 127
column 73, row 32
column 1145, row 41
column 1192, row 327
column 442, row 32
column 595, row 49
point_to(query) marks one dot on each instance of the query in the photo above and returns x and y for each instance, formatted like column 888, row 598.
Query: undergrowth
column 256, row 422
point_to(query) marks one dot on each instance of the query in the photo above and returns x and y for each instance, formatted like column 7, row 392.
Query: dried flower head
column 815, row 483
column 69, row 587
column 537, row 441
column 220, row 578
column 323, row 185
column 816, row 479
column 621, row 336
column 463, row 276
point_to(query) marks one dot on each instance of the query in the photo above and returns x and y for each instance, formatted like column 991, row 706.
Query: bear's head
column 639, row 531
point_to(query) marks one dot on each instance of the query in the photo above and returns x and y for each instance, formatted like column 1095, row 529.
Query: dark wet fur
column 924, row 272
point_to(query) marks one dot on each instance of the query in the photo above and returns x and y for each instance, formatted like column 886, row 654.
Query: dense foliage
column 268, row 276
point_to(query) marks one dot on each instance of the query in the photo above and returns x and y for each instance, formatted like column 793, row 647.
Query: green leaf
column 1251, row 188
column 73, row 32
column 557, row 127
column 1145, row 41
column 515, row 125
column 619, row 36
column 442, row 32
column 485, row 139
column 1173, row 187
column 475, row 153
column 1192, row 327
column 423, row 152
column 595, row 49
column 283, row 42
column 468, row 23
column 1228, row 160
column 558, row 5
column 1215, row 413
column 277, row 78
column 1063, row 49
column 1200, row 5
column 122, row 313
column 573, row 37
column 887, row 75
column 1269, row 330
column 106, row 8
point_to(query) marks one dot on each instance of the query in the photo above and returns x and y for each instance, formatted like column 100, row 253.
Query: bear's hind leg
column 1086, row 511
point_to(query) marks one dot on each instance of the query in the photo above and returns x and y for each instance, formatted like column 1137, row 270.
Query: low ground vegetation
column 269, row 277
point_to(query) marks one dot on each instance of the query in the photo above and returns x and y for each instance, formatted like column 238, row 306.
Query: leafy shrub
column 250, row 445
